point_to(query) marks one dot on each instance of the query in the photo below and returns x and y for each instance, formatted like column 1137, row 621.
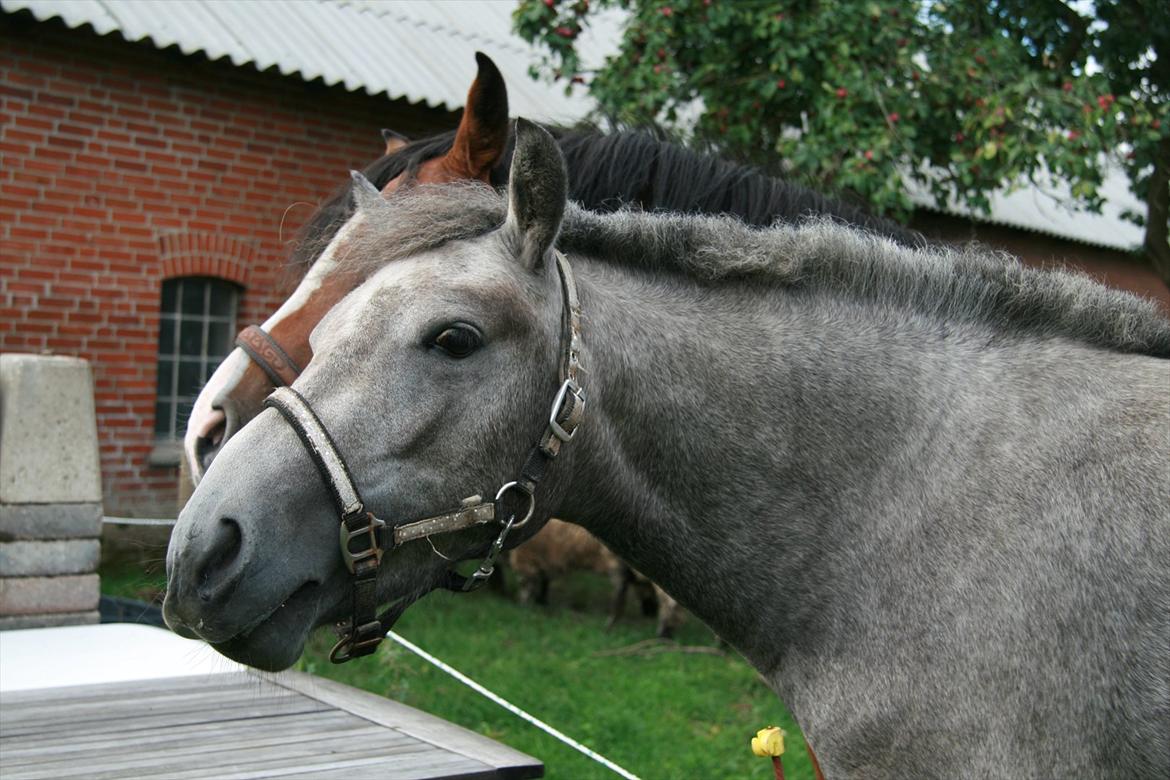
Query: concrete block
column 50, row 521
column 49, row 558
column 42, row 595
column 48, row 431
column 14, row 622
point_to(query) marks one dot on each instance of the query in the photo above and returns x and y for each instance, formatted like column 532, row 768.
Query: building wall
column 1123, row 270
column 123, row 166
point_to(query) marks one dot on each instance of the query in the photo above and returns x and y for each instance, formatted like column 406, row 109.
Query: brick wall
column 124, row 165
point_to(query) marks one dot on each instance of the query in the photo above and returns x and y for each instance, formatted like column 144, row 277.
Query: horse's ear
column 394, row 141
column 363, row 191
column 483, row 131
column 538, row 186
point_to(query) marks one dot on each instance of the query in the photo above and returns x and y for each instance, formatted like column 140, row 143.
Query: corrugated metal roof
column 420, row 51
column 423, row 51
column 1044, row 210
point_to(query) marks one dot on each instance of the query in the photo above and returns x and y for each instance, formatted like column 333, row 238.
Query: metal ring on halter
column 531, row 501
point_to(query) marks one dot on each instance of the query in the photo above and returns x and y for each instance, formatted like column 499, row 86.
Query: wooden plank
column 84, row 710
column 210, row 715
column 184, row 743
column 264, row 765
column 447, row 769
column 438, row 765
column 509, row 763
column 439, row 772
column 29, row 748
column 119, row 717
column 130, row 688
column 68, row 719
column 206, row 760
column 154, row 704
column 244, row 726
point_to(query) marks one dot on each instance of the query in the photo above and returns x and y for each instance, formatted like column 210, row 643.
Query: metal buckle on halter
column 487, row 566
column 567, row 387
column 356, row 642
column 373, row 550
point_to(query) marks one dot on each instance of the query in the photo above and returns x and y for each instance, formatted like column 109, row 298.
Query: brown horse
column 607, row 171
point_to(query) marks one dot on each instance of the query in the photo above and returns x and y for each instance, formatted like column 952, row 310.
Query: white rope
column 470, row 683
column 138, row 520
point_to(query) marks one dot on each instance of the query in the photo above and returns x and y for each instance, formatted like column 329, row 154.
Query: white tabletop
column 110, row 652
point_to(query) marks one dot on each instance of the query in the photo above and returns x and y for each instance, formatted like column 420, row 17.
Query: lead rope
column 510, row 707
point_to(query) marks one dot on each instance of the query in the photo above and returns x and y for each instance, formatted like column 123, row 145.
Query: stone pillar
column 50, row 492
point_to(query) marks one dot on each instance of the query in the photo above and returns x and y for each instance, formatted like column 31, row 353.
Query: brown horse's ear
column 483, row 132
column 394, row 141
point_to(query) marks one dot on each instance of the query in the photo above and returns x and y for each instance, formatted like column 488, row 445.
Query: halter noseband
column 259, row 345
column 364, row 538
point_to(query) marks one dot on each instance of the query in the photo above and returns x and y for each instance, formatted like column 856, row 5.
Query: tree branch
column 1157, row 243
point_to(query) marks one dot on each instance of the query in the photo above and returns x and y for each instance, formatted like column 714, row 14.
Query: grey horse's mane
column 966, row 283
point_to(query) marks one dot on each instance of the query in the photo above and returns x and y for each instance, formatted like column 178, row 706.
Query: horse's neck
column 742, row 443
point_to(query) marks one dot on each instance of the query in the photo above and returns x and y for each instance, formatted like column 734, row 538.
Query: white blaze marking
column 205, row 418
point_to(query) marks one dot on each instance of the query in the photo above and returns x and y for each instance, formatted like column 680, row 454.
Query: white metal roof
column 1043, row 210
column 421, row 51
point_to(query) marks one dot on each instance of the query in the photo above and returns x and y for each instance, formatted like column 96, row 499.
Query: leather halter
column 259, row 345
column 364, row 538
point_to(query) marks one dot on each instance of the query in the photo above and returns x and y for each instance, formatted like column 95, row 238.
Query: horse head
column 271, row 355
column 430, row 382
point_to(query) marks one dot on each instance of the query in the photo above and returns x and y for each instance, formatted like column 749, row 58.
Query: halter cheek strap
column 259, row 345
column 364, row 538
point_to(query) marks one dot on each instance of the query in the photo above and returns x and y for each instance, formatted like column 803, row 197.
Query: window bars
column 197, row 326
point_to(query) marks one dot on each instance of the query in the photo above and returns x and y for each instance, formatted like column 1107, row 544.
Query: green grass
column 669, row 714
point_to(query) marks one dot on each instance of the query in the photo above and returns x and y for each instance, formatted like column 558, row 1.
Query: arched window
column 197, row 329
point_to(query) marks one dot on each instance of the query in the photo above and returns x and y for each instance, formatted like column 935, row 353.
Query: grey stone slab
column 48, row 431
column 43, row 595
column 14, row 622
column 49, row 558
column 50, row 521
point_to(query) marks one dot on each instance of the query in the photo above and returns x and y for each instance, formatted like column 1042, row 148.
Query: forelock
column 419, row 219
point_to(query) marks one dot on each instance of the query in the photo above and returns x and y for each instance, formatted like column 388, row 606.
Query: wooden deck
column 237, row 726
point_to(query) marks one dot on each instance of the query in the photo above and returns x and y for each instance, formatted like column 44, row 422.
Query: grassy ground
column 661, row 713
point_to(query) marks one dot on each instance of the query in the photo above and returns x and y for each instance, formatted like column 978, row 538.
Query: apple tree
column 855, row 96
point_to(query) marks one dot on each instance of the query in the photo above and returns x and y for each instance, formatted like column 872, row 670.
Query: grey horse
column 924, row 492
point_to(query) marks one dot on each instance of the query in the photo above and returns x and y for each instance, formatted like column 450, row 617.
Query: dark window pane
column 166, row 336
column 168, row 294
column 191, row 345
column 166, row 378
column 182, row 413
column 223, row 299
column 190, row 377
column 162, row 418
column 191, row 337
column 219, row 338
column 193, row 290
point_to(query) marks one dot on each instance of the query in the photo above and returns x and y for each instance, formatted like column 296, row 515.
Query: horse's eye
column 459, row 340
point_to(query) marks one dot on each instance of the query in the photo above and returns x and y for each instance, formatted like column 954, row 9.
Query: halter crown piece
column 365, row 538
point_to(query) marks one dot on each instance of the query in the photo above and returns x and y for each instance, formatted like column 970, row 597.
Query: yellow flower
column 768, row 742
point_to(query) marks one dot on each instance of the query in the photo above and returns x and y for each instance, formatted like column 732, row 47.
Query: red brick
column 118, row 145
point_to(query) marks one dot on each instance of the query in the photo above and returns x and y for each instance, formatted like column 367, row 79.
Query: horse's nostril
column 219, row 573
column 211, row 438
